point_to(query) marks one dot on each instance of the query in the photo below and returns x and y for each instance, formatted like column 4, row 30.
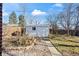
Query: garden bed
column 40, row 48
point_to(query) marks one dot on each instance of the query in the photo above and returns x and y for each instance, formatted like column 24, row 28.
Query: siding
column 41, row 31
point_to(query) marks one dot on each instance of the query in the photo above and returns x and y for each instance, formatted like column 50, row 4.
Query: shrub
column 24, row 40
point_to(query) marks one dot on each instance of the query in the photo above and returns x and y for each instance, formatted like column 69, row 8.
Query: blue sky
column 31, row 9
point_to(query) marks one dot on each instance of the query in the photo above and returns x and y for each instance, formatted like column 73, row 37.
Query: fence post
column 0, row 29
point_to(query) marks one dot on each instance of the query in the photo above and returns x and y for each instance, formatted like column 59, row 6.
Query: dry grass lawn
column 67, row 45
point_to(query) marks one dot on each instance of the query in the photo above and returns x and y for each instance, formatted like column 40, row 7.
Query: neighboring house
column 37, row 30
column 10, row 29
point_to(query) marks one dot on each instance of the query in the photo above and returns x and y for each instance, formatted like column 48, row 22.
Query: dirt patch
column 39, row 49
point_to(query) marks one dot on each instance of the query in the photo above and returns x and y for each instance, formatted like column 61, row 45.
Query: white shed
column 38, row 30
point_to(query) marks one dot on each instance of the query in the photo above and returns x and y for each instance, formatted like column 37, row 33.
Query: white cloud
column 38, row 12
column 5, row 14
column 58, row 5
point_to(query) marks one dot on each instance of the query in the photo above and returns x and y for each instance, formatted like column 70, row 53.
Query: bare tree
column 52, row 20
column 76, row 21
column 66, row 18
column 35, row 20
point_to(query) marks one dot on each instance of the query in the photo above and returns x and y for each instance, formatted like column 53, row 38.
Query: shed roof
column 42, row 25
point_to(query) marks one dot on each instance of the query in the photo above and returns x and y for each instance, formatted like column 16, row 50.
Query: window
column 33, row 28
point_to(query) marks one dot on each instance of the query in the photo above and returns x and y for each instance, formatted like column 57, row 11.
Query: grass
column 67, row 45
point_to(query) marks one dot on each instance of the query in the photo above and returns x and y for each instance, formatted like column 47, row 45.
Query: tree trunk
column 68, row 32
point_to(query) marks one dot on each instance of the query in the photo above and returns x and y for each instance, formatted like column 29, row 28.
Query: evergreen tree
column 22, row 23
column 12, row 18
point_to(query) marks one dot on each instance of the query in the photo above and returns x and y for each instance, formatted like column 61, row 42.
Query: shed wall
column 40, row 31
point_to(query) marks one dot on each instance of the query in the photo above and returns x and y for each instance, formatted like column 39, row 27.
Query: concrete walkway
column 52, row 49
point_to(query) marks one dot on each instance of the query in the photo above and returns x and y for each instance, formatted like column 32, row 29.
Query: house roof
column 44, row 25
column 12, row 24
